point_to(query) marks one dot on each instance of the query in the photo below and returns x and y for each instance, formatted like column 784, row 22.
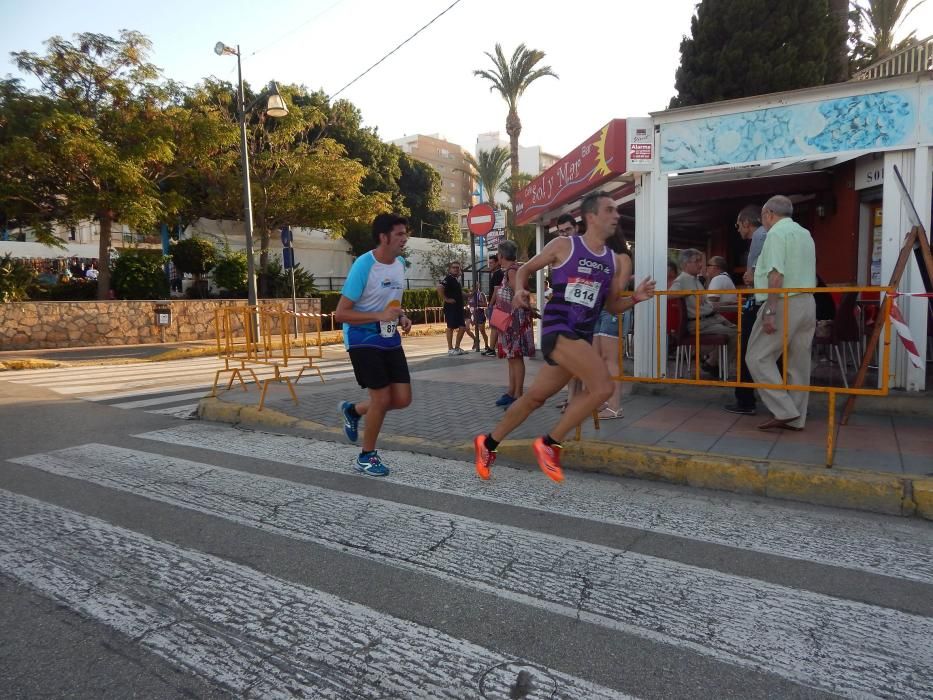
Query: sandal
column 607, row 413
column 562, row 406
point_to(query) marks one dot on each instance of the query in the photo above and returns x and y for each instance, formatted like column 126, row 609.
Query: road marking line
column 810, row 638
column 253, row 634
column 186, row 412
column 893, row 547
column 162, row 399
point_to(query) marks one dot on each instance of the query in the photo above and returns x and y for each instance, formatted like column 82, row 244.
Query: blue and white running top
column 374, row 286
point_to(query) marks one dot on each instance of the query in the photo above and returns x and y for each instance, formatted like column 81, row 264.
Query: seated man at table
column 719, row 280
column 711, row 322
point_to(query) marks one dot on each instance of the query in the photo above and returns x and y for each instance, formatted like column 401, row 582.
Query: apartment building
column 531, row 159
column 447, row 158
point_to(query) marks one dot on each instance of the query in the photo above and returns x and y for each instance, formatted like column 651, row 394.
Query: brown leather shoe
column 778, row 423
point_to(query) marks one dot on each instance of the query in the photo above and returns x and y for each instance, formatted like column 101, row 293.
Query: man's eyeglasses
column 565, row 231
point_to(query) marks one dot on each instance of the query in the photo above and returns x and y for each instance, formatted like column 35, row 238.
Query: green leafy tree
column 840, row 13
column 439, row 255
column 279, row 281
column 510, row 78
column 197, row 257
column 102, row 141
column 32, row 170
column 343, row 122
column 490, row 169
column 140, row 274
column 413, row 188
column 294, row 181
column 16, row 279
column 739, row 48
column 524, row 236
column 420, row 187
column 231, row 272
column 874, row 25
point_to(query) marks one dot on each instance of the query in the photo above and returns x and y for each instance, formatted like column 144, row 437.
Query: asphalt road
column 143, row 555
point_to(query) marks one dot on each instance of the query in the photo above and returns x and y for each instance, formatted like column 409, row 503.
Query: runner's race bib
column 583, row 291
column 387, row 328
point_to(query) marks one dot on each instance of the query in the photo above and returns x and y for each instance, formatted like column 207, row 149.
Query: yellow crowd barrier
column 660, row 303
column 269, row 336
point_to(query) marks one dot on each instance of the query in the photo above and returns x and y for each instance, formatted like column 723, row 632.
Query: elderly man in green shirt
column 788, row 260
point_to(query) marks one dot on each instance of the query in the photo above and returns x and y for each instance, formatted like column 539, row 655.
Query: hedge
column 411, row 299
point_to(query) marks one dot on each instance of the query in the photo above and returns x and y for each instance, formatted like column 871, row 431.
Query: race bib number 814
column 583, row 291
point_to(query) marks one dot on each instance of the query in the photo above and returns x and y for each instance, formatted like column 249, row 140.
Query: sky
column 614, row 58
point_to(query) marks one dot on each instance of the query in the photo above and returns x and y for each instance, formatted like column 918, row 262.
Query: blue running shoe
column 351, row 423
column 504, row 400
column 369, row 463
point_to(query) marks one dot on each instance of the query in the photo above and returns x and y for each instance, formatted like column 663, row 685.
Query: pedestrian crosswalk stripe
column 253, row 634
column 30, row 375
column 143, row 403
column 187, row 411
column 810, row 638
column 106, row 372
column 141, row 392
column 105, row 383
column 896, row 548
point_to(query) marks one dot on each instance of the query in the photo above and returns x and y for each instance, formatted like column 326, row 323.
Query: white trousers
column 764, row 349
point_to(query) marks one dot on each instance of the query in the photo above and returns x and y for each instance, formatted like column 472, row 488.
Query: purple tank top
column 580, row 287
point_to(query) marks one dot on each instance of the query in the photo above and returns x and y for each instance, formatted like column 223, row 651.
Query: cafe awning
column 603, row 161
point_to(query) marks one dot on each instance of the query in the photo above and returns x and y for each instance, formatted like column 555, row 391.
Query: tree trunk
column 103, row 255
column 839, row 11
column 513, row 127
column 263, row 262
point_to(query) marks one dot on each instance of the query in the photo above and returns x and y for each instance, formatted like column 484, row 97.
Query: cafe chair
column 685, row 341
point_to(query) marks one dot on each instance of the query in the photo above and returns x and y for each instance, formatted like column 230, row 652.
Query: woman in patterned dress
column 517, row 341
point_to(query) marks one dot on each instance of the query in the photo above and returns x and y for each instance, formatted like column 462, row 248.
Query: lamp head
column 220, row 48
column 275, row 105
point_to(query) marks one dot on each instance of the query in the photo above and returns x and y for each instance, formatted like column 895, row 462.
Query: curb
column 836, row 487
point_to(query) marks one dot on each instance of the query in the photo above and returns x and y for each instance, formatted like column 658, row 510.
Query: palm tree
column 883, row 18
column 510, row 79
column 524, row 236
column 489, row 169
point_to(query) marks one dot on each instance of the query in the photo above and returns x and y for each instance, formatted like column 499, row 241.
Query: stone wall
column 66, row 324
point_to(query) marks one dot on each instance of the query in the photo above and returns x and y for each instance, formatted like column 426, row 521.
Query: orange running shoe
column 548, row 457
column 484, row 457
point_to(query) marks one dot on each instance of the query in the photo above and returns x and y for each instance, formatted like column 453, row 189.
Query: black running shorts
column 549, row 342
column 376, row 369
column 454, row 316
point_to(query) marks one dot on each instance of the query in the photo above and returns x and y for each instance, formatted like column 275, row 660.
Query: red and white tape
column 907, row 340
column 309, row 314
column 903, row 330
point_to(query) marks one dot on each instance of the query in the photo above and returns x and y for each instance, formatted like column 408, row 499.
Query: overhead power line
column 278, row 39
column 455, row 2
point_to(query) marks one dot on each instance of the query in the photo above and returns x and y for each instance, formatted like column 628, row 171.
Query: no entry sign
column 481, row 219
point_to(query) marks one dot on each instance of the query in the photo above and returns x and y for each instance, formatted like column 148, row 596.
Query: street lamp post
column 275, row 107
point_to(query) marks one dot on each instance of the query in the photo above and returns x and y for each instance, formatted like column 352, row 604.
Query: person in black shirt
column 495, row 280
column 825, row 305
column 451, row 293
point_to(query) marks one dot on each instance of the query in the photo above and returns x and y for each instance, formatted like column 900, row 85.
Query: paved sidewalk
column 454, row 400
column 883, row 461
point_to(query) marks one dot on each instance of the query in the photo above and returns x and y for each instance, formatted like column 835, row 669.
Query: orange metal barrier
column 239, row 346
column 831, row 391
